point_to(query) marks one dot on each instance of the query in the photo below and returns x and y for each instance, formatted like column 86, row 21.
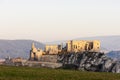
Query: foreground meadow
column 25, row 73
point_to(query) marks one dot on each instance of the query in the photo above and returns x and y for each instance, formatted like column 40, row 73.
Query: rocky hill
column 17, row 48
column 90, row 61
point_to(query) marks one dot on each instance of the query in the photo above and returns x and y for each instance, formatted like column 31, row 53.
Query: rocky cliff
column 90, row 61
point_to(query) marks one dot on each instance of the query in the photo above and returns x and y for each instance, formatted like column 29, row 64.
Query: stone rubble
column 90, row 61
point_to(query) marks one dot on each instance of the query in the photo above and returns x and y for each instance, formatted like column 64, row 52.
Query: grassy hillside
column 25, row 73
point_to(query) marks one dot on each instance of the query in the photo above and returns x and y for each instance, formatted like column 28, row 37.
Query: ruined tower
column 35, row 54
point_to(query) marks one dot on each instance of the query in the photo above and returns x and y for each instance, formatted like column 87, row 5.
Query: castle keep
column 72, row 46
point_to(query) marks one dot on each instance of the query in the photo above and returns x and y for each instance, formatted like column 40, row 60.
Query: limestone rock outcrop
column 90, row 61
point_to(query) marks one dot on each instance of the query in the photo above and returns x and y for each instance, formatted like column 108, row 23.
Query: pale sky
column 52, row 20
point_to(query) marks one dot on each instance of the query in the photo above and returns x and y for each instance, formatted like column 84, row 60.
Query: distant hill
column 114, row 54
column 21, row 48
column 17, row 48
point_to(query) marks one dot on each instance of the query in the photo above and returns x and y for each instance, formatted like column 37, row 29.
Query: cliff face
column 90, row 61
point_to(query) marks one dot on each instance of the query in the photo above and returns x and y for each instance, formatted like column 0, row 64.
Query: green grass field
column 25, row 73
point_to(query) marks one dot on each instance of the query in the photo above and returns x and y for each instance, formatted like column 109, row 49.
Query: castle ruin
column 35, row 53
column 83, row 45
column 72, row 46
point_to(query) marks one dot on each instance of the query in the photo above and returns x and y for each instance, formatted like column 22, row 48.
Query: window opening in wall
column 76, row 47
